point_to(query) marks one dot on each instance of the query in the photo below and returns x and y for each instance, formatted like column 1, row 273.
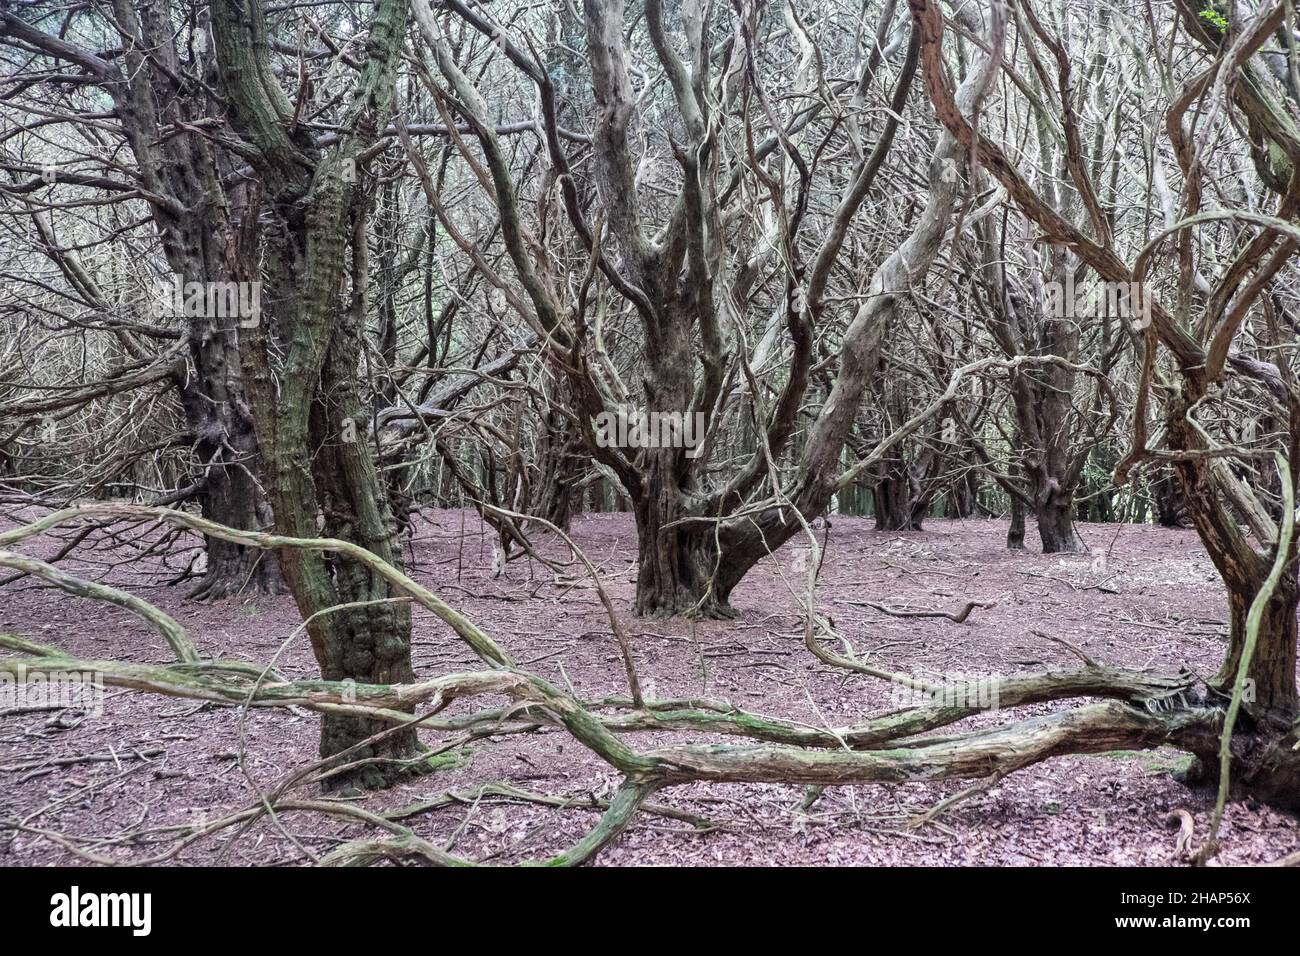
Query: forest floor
column 1143, row 597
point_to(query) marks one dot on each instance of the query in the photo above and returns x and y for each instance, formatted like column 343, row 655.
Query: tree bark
column 181, row 170
column 897, row 497
column 1243, row 571
column 301, row 370
column 560, row 458
column 1016, row 530
column 1055, row 513
column 1171, row 508
column 675, row 572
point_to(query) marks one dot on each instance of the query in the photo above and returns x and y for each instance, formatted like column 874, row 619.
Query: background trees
column 147, row 151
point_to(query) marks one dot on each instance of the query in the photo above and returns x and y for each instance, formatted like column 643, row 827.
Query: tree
column 301, row 363
column 1198, row 334
column 698, row 539
column 159, row 101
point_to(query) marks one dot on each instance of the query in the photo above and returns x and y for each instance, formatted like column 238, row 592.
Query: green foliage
column 1215, row 19
column 449, row 759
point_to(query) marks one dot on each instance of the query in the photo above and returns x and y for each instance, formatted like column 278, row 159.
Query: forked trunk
column 301, row 364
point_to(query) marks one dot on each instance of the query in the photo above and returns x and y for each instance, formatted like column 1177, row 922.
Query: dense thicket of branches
column 872, row 249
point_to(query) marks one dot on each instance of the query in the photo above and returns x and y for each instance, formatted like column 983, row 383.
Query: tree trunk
column 1171, row 508
column 1016, row 530
column 175, row 160
column 1265, row 762
column 1272, row 666
column 233, row 499
column 227, row 447
column 677, row 560
column 745, row 541
column 370, row 644
column 1043, row 415
column 561, row 455
column 301, row 369
column 1055, row 513
column 897, row 498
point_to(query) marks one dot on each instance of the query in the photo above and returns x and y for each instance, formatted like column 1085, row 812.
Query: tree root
column 1139, row 711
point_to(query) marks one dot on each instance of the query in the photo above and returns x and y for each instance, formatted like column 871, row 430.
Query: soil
column 1144, row 597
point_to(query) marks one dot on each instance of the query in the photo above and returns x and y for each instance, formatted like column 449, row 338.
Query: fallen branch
column 957, row 618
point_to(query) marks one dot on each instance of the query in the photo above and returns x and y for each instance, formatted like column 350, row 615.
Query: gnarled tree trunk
column 190, row 208
column 302, row 373
column 896, row 493
column 561, row 455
